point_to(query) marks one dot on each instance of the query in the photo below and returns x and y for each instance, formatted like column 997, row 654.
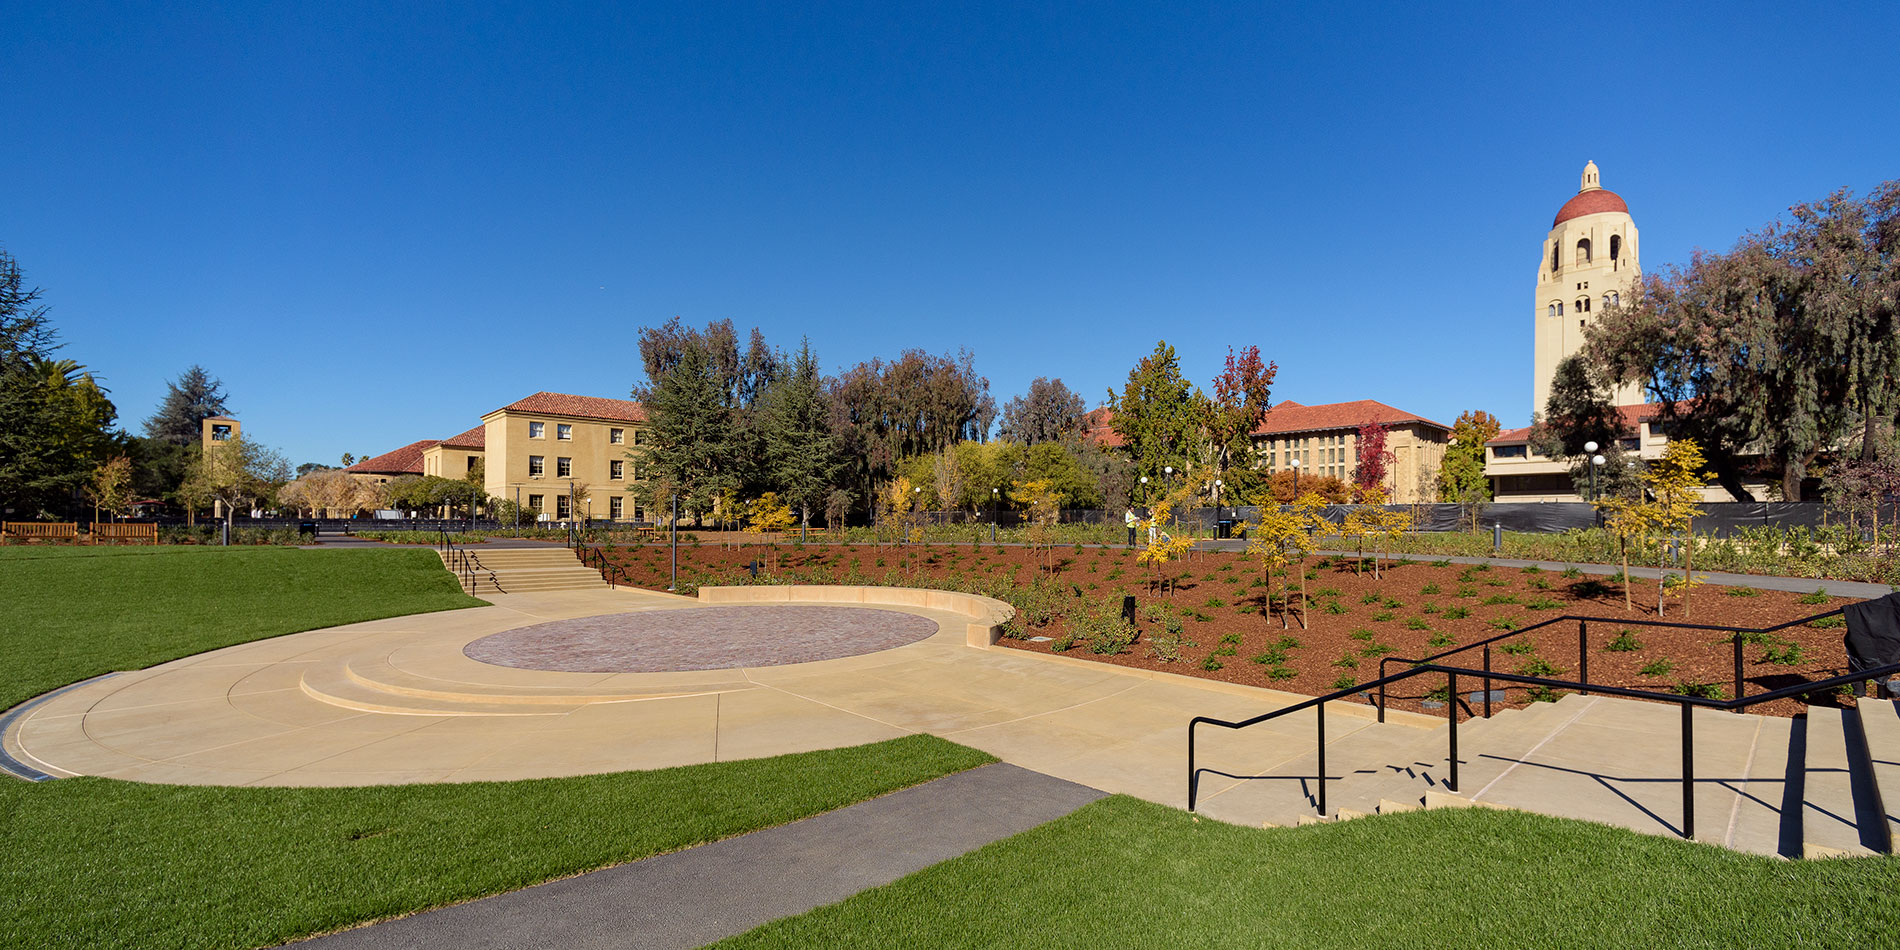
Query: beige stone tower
column 1589, row 263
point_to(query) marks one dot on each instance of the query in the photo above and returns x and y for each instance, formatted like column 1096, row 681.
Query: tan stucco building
column 1325, row 440
column 561, row 454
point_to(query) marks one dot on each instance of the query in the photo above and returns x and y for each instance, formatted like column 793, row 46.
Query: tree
column 1155, row 415
column 236, row 474
column 1242, row 393
column 1268, row 539
column 801, row 450
column 770, row 518
column 189, row 401
column 1049, row 412
column 1044, row 503
column 692, row 435
column 1579, row 411
column 1461, row 478
column 1374, row 459
column 55, row 419
column 1285, row 486
column 110, row 486
column 1779, row 346
column 916, row 405
column 1675, row 486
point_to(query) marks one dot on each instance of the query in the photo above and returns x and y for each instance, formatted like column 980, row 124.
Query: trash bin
column 309, row 528
column 1224, row 529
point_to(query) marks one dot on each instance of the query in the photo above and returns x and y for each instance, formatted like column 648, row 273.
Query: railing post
column 1382, row 689
column 1451, row 680
column 1688, row 771
column 1321, row 709
column 1737, row 635
column 1487, row 681
column 1191, row 789
column 1583, row 655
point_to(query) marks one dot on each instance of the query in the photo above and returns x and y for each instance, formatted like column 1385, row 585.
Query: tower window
column 1553, row 257
column 1560, row 308
column 1615, row 299
column 1583, row 305
column 1616, row 246
column 1551, row 310
column 1583, row 251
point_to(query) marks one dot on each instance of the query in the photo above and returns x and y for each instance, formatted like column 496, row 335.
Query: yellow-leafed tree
column 770, row 517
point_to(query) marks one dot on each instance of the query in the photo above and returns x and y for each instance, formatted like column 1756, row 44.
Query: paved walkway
column 398, row 701
column 693, row 897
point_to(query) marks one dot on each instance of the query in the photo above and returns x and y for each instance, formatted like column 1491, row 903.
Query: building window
column 1630, row 445
column 564, row 432
column 1560, row 308
column 617, row 436
column 1616, row 246
column 563, row 507
column 614, row 469
column 1551, row 310
column 535, row 466
column 1553, row 257
column 1616, row 300
column 563, row 467
column 534, row 503
column 220, row 432
column 1507, row 451
column 1583, row 306
column 616, row 506
column 639, row 470
column 1583, row 252
column 537, row 430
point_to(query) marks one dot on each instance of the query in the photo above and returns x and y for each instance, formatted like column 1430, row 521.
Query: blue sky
column 376, row 222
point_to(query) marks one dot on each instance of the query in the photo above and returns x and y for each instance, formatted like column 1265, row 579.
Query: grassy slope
column 73, row 613
column 1126, row 873
column 95, row 863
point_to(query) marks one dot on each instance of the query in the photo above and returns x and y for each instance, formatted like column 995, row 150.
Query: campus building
column 1589, row 263
column 563, row 455
column 1325, row 440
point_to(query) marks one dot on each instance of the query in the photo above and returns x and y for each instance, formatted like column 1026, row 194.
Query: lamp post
column 1296, row 479
column 1590, row 449
column 996, row 510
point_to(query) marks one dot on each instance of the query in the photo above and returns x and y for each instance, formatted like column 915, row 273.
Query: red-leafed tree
column 1374, row 458
column 1240, row 401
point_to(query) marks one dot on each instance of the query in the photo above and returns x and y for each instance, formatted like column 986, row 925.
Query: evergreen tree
column 692, row 446
column 801, row 451
column 188, row 402
column 1155, row 415
column 55, row 420
column 1581, row 410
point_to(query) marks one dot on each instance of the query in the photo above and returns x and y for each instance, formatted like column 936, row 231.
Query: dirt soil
column 1415, row 610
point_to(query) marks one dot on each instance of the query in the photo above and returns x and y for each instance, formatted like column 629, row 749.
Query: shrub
column 1212, row 663
column 1466, row 590
column 1786, row 656
column 1362, row 634
column 1375, row 649
column 1625, row 642
column 1062, row 643
column 1504, row 623
column 1442, row 562
column 1281, row 673
column 1538, row 666
column 1348, row 661
column 1225, row 649
column 1657, row 668
column 1273, row 657
column 1543, row 694
column 1703, row 690
column 1538, row 583
column 1571, row 573
column 1439, row 694
column 1496, row 599
column 1825, row 622
column 1416, row 623
column 1345, row 681
column 1326, row 592
column 1440, row 640
column 1742, row 592
column 1519, row 647
column 1287, row 643
column 1215, row 602
column 1456, row 613
column 1382, row 616
column 1370, row 599
column 1429, row 589
column 1818, row 597
column 1542, row 603
column 1431, row 608
column 1333, row 607
column 1393, row 603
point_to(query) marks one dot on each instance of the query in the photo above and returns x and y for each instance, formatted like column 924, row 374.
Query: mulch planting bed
column 1417, row 609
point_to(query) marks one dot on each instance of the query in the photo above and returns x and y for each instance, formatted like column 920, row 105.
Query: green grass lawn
column 99, row 863
column 73, row 612
column 1126, row 873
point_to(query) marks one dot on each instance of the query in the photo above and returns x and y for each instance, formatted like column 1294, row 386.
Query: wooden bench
column 40, row 530
column 125, row 532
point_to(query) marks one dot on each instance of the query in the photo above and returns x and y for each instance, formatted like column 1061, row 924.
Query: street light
column 1590, row 448
column 996, row 510
column 1296, row 479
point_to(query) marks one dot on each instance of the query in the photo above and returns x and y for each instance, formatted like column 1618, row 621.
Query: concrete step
column 1758, row 820
column 378, row 674
column 1285, row 791
column 1880, row 723
column 331, row 683
column 1830, row 813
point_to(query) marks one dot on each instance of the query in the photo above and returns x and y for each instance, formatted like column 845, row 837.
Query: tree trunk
column 1623, row 546
column 1791, row 476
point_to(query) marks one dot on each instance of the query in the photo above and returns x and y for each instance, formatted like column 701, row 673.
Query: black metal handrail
column 1738, row 639
column 465, row 563
column 608, row 569
column 1687, row 703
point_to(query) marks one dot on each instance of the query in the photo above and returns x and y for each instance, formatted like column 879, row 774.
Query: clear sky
column 376, row 222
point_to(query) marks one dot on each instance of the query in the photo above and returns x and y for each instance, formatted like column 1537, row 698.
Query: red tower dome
column 1593, row 201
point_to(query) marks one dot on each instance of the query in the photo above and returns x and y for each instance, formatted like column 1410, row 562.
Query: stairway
column 1807, row 787
column 528, row 570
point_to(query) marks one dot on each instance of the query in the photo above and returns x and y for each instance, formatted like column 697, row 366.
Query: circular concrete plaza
column 701, row 638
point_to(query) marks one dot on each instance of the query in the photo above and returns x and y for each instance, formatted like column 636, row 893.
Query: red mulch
column 1222, row 596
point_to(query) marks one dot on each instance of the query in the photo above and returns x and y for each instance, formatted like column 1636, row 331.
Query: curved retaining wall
column 986, row 615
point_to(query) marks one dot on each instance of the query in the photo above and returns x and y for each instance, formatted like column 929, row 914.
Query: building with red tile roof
column 394, row 463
